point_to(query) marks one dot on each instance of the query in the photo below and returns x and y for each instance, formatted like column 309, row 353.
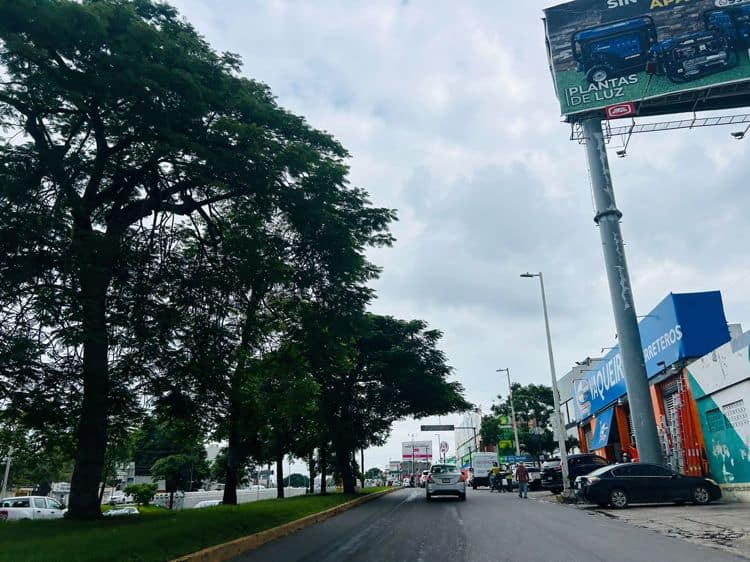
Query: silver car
column 445, row 480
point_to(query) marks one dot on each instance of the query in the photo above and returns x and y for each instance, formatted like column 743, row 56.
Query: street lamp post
column 555, row 391
column 412, row 457
column 512, row 412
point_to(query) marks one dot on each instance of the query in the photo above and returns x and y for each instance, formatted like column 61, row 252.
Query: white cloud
column 449, row 113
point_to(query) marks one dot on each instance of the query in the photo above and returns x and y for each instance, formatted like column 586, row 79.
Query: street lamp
column 512, row 411
column 555, row 391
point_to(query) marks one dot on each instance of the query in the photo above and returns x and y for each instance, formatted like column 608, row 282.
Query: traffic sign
column 443, row 447
column 436, row 427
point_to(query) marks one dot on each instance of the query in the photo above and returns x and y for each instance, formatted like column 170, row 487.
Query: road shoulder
column 242, row 545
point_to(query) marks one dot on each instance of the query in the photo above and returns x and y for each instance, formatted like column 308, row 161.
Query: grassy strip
column 156, row 534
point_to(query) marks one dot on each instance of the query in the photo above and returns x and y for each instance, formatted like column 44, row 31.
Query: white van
column 482, row 464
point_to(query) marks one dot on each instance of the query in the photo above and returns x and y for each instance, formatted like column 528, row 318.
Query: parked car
column 445, row 480
column 206, row 503
column 535, row 478
column 578, row 465
column 423, row 478
column 622, row 484
column 31, row 507
column 119, row 497
column 122, row 511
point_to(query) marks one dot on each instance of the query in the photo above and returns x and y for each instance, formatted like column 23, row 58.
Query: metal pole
column 513, row 413
column 7, row 471
column 555, row 392
column 476, row 448
column 634, row 368
column 412, row 457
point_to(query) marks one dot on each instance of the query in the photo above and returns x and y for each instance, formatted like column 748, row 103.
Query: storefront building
column 720, row 384
column 681, row 329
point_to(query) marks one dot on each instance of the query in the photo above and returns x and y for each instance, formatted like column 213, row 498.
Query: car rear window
column 443, row 468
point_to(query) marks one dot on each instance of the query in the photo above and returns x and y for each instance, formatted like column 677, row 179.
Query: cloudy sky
column 449, row 113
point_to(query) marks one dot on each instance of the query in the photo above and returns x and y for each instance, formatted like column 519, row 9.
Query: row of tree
column 175, row 245
column 533, row 405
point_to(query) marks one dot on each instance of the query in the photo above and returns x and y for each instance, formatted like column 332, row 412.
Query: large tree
column 117, row 117
column 374, row 370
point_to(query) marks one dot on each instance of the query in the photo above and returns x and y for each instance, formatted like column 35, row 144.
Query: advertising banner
column 600, row 436
column 422, row 450
column 609, row 52
column 682, row 326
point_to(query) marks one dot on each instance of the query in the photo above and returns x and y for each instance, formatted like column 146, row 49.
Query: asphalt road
column 488, row 527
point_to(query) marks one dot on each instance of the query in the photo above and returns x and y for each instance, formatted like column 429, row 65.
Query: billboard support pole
column 634, row 368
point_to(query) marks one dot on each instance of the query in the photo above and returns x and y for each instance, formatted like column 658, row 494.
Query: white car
column 423, row 478
column 31, row 507
column 445, row 480
column 122, row 511
column 207, row 503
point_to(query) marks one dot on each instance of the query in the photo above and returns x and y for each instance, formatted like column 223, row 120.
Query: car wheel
column 618, row 498
column 473, row 486
column 701, row 495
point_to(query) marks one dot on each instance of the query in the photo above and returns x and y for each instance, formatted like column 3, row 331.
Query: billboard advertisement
column 416, row 450
column 613, row 52
column 682, row 326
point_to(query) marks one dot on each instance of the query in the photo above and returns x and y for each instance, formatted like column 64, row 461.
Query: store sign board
column 610, row 52
column 600, row 436
column 682, row 326
column 416, row 450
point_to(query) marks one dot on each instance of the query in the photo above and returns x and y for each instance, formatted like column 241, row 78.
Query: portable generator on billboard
column 604, row 53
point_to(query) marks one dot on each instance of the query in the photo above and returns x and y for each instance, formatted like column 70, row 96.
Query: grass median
column 155, row 534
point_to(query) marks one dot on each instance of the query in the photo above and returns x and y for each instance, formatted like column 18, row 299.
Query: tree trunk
column 323, row 466
column 362, row 466
column 233, row 462
column 346, row 469
column 280, row 476
column 171, row 500
column 101, row 490
column 94, row 257
column 311, row 469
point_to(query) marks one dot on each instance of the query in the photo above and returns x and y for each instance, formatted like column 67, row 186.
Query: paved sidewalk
column 719, row 525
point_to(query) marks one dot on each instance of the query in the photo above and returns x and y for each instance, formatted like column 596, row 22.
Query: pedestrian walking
column 522, row 476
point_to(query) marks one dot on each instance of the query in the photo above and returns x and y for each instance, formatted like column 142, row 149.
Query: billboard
column 682, row 326
column 422, row 450
column 649, row 52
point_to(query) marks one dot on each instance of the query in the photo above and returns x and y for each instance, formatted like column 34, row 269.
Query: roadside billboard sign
column 422, row 450
column 606, row 53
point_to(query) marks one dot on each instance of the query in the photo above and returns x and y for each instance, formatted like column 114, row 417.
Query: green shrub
column 143, row 493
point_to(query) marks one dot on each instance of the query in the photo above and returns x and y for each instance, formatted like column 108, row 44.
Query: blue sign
column 516, row 458
column 600, row 437
column 682, row 326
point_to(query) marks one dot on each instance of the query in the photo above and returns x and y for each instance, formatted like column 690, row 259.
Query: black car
column 622, row 484
column 578, row 465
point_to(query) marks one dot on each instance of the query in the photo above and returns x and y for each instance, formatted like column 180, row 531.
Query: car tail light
column 558, row 468
column 429, row 478
column 3, row 515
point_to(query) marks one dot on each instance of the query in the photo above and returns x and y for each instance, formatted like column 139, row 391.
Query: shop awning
column 600, row 437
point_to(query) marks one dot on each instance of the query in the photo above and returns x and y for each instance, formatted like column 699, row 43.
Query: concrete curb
column 228, row 550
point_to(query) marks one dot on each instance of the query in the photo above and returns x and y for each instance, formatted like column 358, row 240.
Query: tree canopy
column 175, row 245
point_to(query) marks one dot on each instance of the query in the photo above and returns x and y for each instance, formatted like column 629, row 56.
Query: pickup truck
column 31, row 507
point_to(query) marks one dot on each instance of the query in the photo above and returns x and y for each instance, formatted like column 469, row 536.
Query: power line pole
column 608, row 218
